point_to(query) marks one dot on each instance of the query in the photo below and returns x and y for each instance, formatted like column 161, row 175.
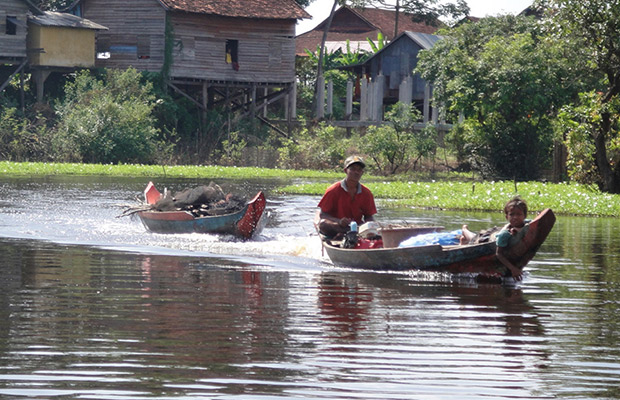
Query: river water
column 94, row 307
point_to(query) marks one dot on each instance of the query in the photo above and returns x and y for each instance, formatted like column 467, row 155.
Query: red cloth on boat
column 369, row 244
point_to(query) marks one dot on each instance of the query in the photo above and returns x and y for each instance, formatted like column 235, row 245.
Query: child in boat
column 516, row 212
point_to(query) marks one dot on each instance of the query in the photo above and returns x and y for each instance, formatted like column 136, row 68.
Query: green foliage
column 330, row 59
column 508, row 81
column 107, row 120
column 381, row 42
column 156, row 171
column 397, row 146
column 592, row 26
column 53, row 5
column 579, row 124
column 232, row 149
column 565, row 199
column 422, row 10
column 22, row 139
column 350, row 57
column 322, row 148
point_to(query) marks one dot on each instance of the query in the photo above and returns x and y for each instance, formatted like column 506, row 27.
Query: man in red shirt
column 347, row 200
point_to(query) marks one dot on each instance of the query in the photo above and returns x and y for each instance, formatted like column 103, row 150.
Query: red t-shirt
column 337, row 202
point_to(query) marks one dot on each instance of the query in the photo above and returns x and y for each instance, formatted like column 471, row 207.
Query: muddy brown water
column 94, row 307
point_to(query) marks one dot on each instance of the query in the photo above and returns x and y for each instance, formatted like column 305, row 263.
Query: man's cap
column 354, row 160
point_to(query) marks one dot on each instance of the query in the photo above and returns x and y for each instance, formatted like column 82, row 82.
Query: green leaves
column 107, row 120
column 507, row 81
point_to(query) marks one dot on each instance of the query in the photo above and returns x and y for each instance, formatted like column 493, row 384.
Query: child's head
column 518, row 203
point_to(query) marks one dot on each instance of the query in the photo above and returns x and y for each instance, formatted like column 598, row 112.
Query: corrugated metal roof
column 264, row 9
column 425, row 40
column 64, row 20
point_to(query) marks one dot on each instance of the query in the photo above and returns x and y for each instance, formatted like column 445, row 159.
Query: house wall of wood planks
column 265, row 49
column 12, row 34
column 136, row 37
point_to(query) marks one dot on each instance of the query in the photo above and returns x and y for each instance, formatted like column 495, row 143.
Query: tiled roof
column 263, row 9
column 384, row 20
column 369, row 22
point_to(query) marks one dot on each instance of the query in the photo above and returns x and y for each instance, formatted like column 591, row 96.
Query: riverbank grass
column 567, row 199
column 157, row 171
column 449, row 193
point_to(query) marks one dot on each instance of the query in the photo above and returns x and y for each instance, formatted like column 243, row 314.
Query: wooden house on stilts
column 42, row 42
column 234, row 54
column 13, row 35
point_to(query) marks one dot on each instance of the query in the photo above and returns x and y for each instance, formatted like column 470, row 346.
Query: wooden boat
column 476, row 259
column 244, row 223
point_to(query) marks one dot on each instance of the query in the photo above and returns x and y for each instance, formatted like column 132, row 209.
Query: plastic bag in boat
column 442, row 238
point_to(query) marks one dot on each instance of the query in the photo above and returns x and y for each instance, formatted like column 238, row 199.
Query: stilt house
column 13, row 34
column 210, row 50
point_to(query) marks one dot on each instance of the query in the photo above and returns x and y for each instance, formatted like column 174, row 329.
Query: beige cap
column 354, row 160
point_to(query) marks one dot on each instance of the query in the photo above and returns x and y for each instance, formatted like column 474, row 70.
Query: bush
column 108, row 120
column 398, row 146
column 322, row 147
column 23, row 139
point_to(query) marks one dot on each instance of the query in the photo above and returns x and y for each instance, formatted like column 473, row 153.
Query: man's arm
column 343, row 222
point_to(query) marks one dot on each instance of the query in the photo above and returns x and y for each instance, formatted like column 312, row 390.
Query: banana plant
column 381, row 42
column 351, row 57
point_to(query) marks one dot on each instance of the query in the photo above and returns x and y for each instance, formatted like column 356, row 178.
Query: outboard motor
column 350, row 238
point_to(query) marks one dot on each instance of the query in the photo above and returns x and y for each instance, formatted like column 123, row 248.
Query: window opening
column 11, row 26
column 232, row 53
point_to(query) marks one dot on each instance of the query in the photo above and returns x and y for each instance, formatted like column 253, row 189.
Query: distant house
column 357, row 25
column 13, row 36
column 42, row 42
column 14, row 29
column 59, row 42
column 393, row 67
column 210, row 50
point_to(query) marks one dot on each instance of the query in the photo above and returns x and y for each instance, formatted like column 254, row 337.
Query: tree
column 508, row 80
column 593, row 26
column 429, row 11
column 54, row 5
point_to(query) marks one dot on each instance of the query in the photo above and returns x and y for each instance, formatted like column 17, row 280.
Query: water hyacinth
column 563, row 198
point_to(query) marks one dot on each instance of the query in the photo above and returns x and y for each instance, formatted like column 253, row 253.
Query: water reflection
column 94, row 307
